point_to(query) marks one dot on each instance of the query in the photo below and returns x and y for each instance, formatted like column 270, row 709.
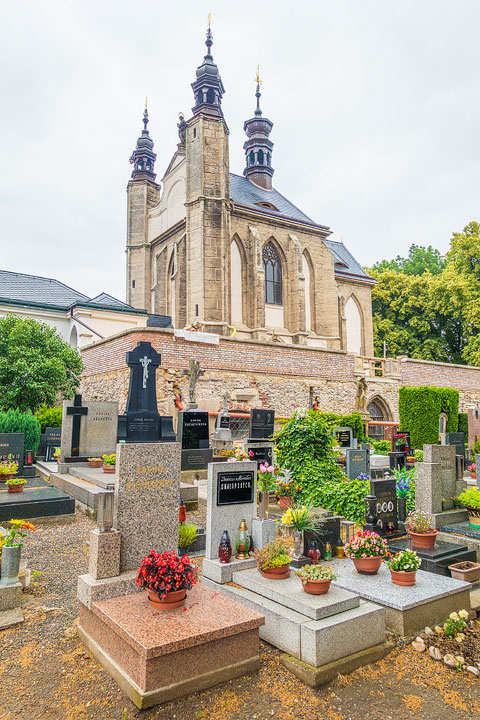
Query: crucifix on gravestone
column 226, row 397
column 143, row 418
column 194, row 373
column 77, row 411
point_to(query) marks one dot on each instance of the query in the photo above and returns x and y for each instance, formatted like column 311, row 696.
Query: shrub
column 463, row 424
column 419, row 409
column 274, row 554
column 470, row 498
column 419, row 455
column 382, row 447
column 186, row 534
column 49, row 416
column 14, row 421
column 344, row 497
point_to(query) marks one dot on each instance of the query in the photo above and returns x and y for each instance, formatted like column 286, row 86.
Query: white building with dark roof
column 80, row 320
column 230, row 252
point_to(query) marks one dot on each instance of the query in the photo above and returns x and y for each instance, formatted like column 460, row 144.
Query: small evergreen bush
column 49, row 416
column 14, row 421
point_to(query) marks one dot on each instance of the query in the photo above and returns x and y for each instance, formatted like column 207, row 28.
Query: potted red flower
column 367, row 550
column 166, row 578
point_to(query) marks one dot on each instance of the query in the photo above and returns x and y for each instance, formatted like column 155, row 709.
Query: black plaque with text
column 262, row 423
column 193, row 429
column 12, row 444
column 235, row 487
column 385, row 492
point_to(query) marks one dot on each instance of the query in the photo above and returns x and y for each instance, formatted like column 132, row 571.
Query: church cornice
column 244, row 211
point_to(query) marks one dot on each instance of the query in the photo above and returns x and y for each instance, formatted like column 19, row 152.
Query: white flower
column 463, row 614
column 453, row 616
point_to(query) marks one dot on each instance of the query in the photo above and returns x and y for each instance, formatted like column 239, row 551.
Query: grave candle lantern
column 105, row 509
column 370, row 510
column 182, row 511
column 242, row 543
column 347, row 531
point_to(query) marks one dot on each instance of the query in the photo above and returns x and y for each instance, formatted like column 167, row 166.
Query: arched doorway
column 378, row 412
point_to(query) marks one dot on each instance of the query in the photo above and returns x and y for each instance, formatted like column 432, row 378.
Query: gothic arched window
column 272, row 266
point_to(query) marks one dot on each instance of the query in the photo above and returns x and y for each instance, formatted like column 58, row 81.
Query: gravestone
column 40, row 454
column 344, row 436
column 193, row 435
column 13, row 444
column 53, row 439
column 262, row 424
column 436, row 482
column 167, row 433
column 231, row 497
column 457, row 439
column 262, row 452
column 389, row 435
column 366, row 447
column 89, row 429
column 327, row 532
column 385, row 492
column 398, row 460
column 223, row 432
column 356, row 463
column 146, row 500
column 143, row 418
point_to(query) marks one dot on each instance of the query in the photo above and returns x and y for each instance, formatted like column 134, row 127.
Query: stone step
column 95, row 476
column 290, row 594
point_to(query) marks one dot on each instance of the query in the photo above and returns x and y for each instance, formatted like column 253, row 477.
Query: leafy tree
column 420, row 259
column 36, row 364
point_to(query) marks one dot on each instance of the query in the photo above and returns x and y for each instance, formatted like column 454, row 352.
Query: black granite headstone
column 223, row 421
column 437, row 559
column 327, row 532
column 457, row 439
column 77, row 411
column 262, row 424
column 261, row 455
column 167, row 433
column 385, row 492
column 344, row 436
column 192, row 429
column 398, row 460
column 53, row 439
column 143, row 418
column 13, row 444
column 41, row 447
column 235, row 487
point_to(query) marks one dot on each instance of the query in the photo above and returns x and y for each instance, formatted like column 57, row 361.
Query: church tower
column 142, row 193
column 207, row 199
column 258, row 148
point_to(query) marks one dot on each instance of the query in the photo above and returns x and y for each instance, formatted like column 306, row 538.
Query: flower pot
column 473, row 517
column 15, row 488
column 96, row 463
column 316, row 587
column 173, row 600
column 109, row 469
column 368, row 565
column 263, row 505
column 466, row 571
column 3, row 478
column 278, row 573
column 399, row 577
column 473, row 475
column 10, row 564
column 402, row 508
column 285, row 502
column 423, row 540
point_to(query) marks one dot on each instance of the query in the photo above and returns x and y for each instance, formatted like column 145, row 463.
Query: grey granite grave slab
column 98, row 429
column 289, row 592
column 446, row 456
column 223, row 572
column 226, row 517
column 329, row 639
column 428, row 487
column 147, row 490
column 462, row 528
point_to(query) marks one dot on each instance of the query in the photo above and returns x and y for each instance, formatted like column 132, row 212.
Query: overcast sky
column 375, row 104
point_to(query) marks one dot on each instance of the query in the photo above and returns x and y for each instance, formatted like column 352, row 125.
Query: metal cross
column 145, row 362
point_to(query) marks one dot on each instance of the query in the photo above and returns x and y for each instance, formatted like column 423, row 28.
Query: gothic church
column 230, row 252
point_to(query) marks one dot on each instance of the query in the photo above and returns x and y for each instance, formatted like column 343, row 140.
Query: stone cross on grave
column 226, row 397
column 194, row 373
column 77, row 411
column 143, row 361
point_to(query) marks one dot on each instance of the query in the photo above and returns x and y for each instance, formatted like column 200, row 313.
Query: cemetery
column 312, row 539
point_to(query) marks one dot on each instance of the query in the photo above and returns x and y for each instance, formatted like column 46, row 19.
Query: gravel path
column 45, row 671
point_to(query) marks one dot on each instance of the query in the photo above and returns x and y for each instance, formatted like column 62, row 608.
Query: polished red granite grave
column 156, row 656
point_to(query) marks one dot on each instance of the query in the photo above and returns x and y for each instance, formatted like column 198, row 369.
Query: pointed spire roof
column 258, row 148
column 208, row 87
column 143, row 158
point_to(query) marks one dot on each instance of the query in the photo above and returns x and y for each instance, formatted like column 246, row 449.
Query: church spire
column 208, row 87
column 258, row 148
column 143, row 158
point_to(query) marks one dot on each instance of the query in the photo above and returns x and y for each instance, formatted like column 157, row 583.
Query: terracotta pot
column 473, row 475
column 469, row 573
column 15, row 488
column 173, row 600
column 109, row 469
column 285, row 502
column 278, row 573
column 4, row 478
column 403, row 578
column 96, row 463
column 423, row 540
column 316, row 587
column 368, row 565
column 58, row 459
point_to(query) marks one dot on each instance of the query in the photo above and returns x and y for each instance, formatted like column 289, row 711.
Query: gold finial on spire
column 257, row 76
column 146, row 102
column 209, row 19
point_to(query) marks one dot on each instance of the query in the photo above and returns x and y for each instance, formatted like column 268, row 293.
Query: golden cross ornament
column 257, row 76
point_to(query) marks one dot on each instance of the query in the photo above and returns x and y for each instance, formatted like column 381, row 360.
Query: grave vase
column 10, row 564
column 402, row 508
column 263, row 505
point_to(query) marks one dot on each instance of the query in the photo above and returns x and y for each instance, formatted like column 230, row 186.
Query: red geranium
column 165, row 572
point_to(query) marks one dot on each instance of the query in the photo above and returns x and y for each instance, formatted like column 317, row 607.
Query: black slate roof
column 106, row 299
column 345, row 263
column 244, row 192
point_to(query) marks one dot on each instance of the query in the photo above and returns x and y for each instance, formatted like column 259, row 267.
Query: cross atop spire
column 208, row 87
column 143, row 158
column 258, row 148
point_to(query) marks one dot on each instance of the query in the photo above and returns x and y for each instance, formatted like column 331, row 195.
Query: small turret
column 258, row 148
column 143, row 158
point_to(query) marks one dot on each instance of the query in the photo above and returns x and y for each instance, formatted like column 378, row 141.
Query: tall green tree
column 36, row 365
column 419, row 260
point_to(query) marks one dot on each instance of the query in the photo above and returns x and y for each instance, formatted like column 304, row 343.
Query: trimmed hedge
column 14, row 421
column 419, row 410
column 463, row 424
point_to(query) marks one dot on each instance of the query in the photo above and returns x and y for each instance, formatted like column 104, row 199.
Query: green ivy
column 381, row 447
column 14, row 421
column 354, row 421
column 419, row 410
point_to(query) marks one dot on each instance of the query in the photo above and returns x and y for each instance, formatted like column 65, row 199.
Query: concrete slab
column 223, row 572
column 11, row 617
column 290, row 594
column 90, row 590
